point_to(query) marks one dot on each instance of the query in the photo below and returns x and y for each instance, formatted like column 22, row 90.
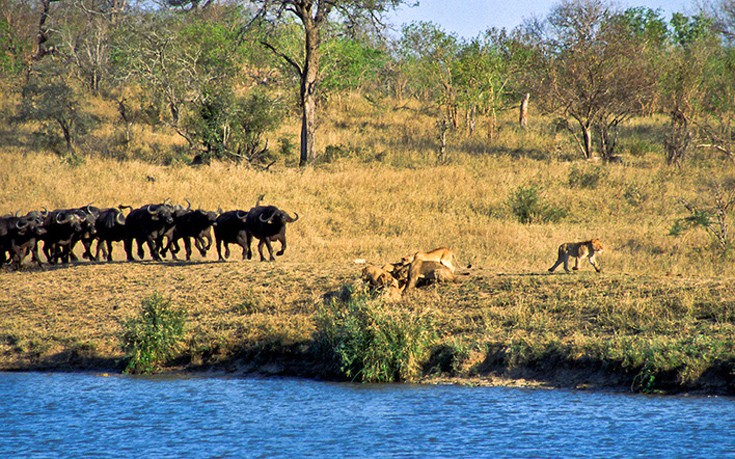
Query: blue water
column 87, row 416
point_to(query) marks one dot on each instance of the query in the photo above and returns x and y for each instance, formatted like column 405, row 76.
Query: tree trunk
column 66, row 130
column 492, row 125
column 308, row 87
column 523, row 116
column 587, row 136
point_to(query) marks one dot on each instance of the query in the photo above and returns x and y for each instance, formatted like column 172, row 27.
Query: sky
column 467, row 18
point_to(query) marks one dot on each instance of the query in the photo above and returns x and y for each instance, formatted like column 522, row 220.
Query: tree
column 716, row 124
column 191, row 68
column 16, row 36
column 430, row 54
column 684, row 81
column 50, row 99
column 350, row 64
column 483, row 74
column 595, row 71
column 84, row 34
column 314, row 16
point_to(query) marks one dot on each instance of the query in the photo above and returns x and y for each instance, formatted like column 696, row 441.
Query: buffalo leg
column 109, row 250
column 129, row 248
column 246, row 249
column 141, row 253
column 187, row 248
column 282, row 240
column 153, row 247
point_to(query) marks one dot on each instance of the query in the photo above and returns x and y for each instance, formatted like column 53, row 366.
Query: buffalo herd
column 159, row 227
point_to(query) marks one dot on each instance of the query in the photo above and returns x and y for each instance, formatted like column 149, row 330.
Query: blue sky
column 467, row 18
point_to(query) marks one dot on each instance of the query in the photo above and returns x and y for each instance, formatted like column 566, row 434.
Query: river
column 80, row 415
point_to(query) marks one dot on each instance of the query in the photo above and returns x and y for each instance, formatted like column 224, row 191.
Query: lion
column 427, row 272
column 578, row 250
column 442, row 255
column 439, row 265
column 379, row 278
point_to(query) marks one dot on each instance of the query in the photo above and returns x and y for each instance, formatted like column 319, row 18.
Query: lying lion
column 378, row 278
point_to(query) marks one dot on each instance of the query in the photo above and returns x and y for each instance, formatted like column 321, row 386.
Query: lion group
column 441, row 265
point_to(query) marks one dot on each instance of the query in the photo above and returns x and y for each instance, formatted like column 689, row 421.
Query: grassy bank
column 611, row 330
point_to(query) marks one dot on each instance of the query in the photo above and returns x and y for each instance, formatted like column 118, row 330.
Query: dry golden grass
column 654, row 288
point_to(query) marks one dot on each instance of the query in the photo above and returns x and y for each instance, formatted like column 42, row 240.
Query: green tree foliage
column 430, row 53
column 315, row 17
column 190, row 67
column 201, row 69
column 57, row 104
column 18, row 34
column 684, row 81
column 349, row 64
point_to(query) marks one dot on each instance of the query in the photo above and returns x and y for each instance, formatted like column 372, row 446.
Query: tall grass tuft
column 153, row 336
column 371, row 341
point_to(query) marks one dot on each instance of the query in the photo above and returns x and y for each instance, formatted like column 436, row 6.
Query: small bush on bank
column 528, row 206
column 372, row 342
column 153, row 336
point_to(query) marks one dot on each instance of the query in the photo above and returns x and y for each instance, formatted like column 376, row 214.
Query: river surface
column 78, row 415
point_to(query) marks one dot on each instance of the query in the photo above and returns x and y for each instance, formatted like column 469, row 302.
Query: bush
column 153, row 336
column 590, row 178
column 371, row 342
column 528, row 206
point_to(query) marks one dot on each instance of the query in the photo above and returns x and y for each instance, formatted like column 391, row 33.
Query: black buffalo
column 19, row 236
column 190, row 224
column 24, row 238
column 7, row 222
column 88, row 215
column 267, row 224
column 148, row 224
column 110, row 227
column 62, row 227
column 230, row 228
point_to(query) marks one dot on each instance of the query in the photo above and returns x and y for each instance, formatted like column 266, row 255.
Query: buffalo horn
column 269, row 219
column 244, row 214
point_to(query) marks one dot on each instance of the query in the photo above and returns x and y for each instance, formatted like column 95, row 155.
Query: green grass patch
column 153, row 336
column 371, row 341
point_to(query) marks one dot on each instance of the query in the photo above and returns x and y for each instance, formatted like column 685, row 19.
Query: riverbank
column 584, row 330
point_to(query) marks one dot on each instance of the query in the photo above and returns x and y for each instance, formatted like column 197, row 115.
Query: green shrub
column 153, row 336
column 586, row 177
column 635, row 195
column 372, row 342
column 528, row 206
